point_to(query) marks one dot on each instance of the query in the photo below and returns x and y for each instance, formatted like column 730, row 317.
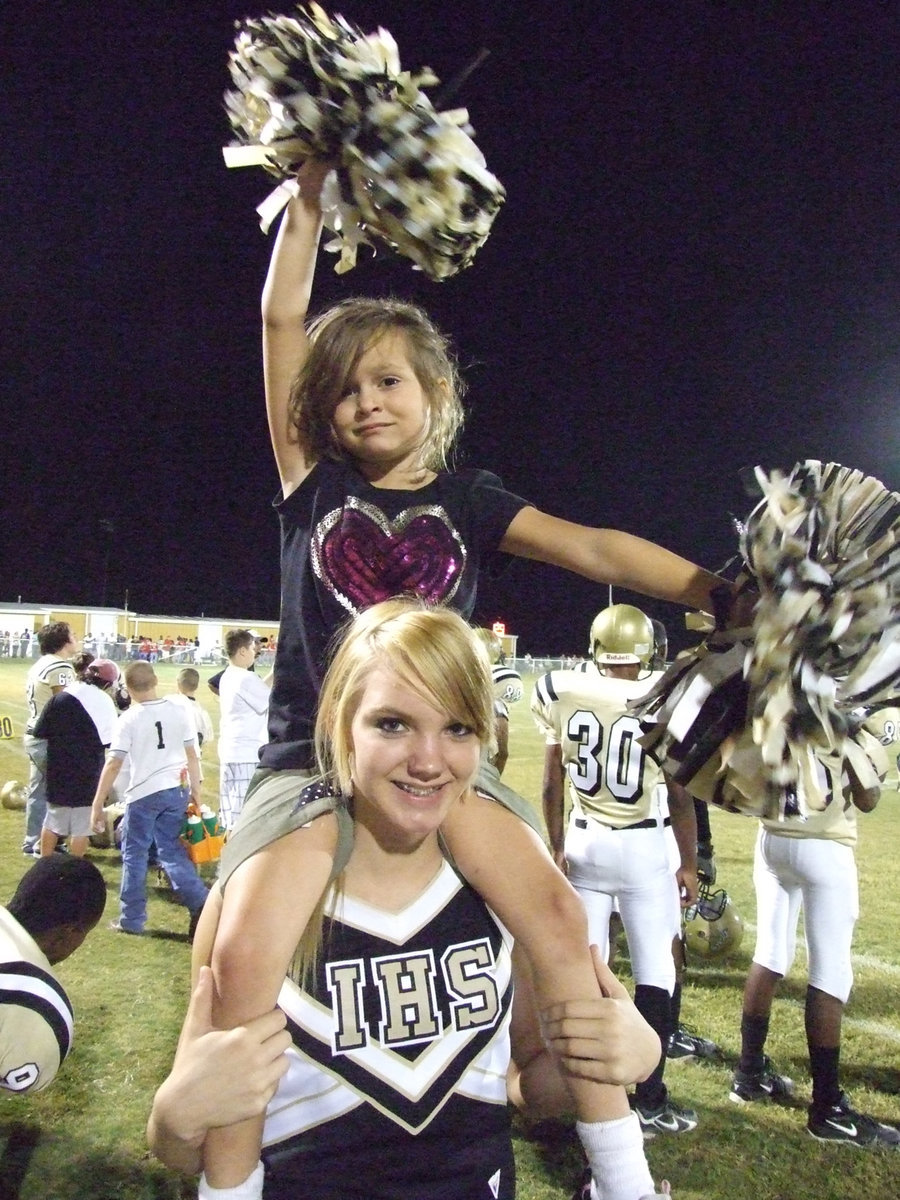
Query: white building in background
column 107, row 632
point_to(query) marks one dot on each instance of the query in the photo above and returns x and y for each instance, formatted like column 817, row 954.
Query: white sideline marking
column 887, row 1033
column 866, row 962
column 870, row 963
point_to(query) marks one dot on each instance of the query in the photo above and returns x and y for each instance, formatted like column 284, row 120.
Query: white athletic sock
column 615, row 1151
column 250, row 1189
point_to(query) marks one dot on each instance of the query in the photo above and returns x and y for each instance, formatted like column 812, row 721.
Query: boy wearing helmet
column 615, row 845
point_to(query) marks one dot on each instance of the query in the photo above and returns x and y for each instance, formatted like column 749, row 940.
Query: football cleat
column 765, row 1084
column 118, row 927
column 690, row 1047
column 841, row 1123
column 668, row 1118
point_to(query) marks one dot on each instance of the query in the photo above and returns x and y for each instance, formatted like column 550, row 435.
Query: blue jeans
column 36, row 804
column 156, row 818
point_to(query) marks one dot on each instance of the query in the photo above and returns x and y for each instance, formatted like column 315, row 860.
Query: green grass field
column 84, row 1137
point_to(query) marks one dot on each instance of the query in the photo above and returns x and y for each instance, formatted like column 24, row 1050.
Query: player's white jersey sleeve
column 100, row 707
column 544, row 708
column 36, row 1022
column 47, row 674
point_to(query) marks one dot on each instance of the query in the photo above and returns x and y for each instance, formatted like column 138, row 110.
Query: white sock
column 250, row 1189
column 615, row 1151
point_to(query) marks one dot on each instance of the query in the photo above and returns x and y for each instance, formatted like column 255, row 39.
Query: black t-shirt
column 346, row 545
column 75, row 753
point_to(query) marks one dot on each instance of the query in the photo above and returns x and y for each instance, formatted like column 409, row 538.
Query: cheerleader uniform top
column 346, row 545
column 397, row 1079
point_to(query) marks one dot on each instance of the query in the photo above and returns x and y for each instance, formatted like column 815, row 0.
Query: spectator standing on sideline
column 214, row 680
column 159, row 742
column 187, row 682
column 56, row 905
column 78, row 725
column 49, row 675
column 244, row 700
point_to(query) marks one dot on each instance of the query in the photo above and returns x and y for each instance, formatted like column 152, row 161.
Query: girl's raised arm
column 285, row 302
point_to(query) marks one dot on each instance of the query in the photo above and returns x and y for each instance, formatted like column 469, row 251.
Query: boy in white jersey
column 159, row 740
column 50, row 674
column 615, row 846
column 244, row 700
column 187, row 682
column 809, row 862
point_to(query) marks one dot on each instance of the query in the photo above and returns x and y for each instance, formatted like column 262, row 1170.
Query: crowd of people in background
column 167, row 648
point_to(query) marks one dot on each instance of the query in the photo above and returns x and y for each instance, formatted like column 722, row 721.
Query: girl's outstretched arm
column 285, row 303
column 611, row 556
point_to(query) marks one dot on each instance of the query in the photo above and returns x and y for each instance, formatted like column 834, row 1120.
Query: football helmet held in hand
column 713, row 928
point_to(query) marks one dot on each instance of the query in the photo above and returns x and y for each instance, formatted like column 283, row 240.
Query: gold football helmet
column 622, row 634
column 491, row 643
column 712, row 927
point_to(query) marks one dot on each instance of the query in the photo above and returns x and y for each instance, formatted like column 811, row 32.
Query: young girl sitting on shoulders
column 363, row 408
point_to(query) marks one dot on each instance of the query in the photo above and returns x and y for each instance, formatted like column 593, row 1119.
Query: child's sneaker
column 765, row 1084
column 841, row 1123
column 584, row 1189
column 118, row 927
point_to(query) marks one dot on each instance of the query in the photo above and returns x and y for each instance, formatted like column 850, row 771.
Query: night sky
column 697, row 269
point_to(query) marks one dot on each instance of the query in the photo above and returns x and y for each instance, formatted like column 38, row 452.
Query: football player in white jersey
column 50, row 674
column 56, row 905
column 809, row 862
column 614, row 848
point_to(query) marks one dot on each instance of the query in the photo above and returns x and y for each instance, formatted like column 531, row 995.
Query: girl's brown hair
column 339, row 337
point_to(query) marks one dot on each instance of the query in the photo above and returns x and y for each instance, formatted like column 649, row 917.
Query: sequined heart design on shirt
column 363, row 557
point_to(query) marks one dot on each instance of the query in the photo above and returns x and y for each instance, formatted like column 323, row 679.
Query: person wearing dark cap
column 56, row 905
column 77, row 724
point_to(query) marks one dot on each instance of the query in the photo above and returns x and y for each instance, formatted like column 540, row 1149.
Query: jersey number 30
column 613, row 757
